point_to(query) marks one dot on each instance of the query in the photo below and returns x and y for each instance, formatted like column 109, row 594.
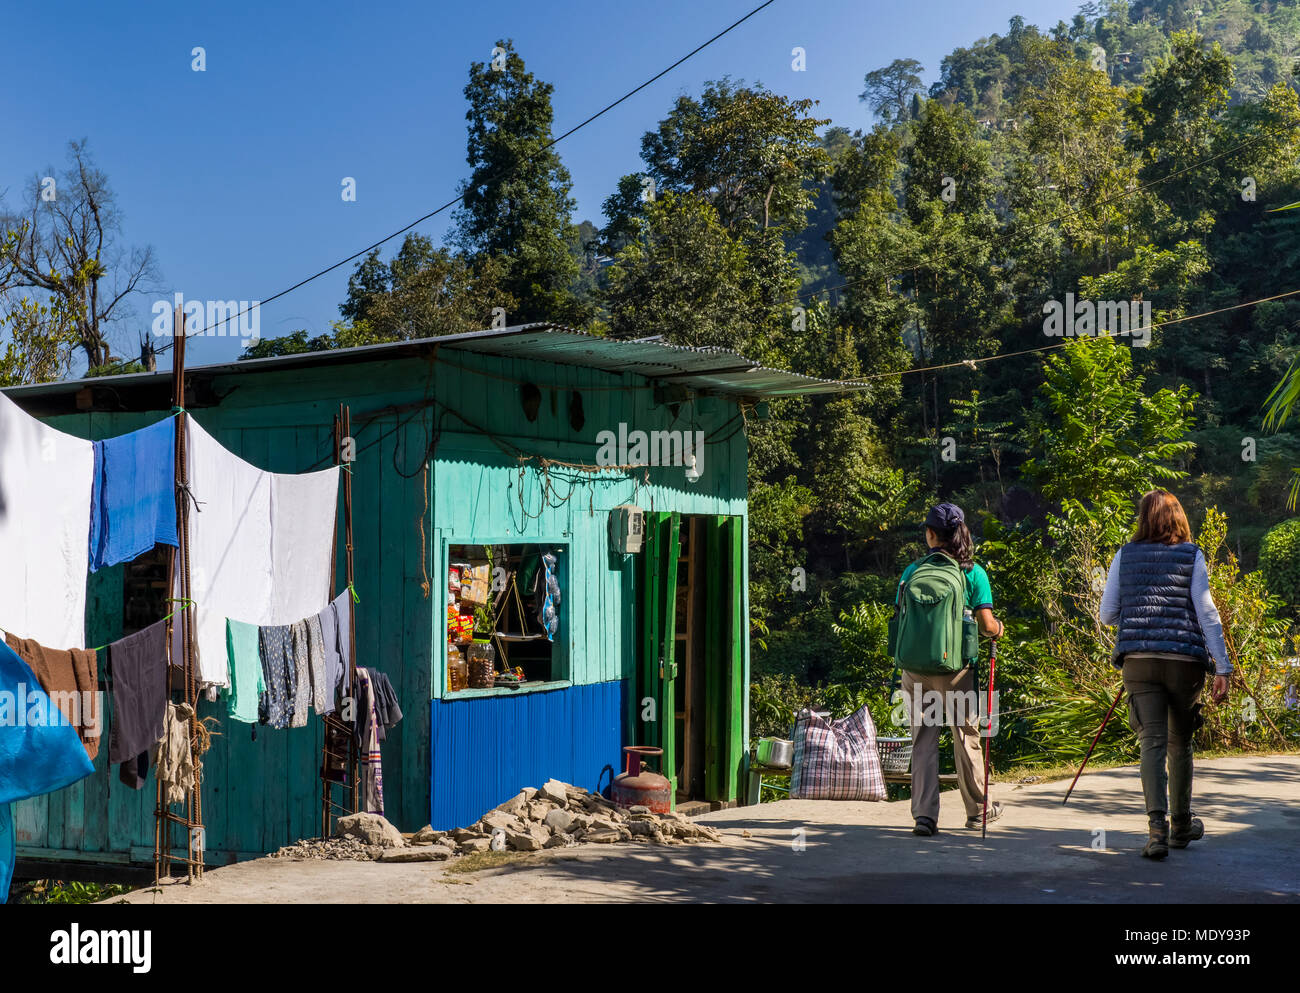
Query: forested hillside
column 1138, row 156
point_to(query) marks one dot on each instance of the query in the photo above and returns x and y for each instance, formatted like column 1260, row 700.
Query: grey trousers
column 1161, row 694
column 960, row 710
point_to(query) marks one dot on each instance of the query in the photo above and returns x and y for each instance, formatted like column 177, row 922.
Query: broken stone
column 559, row 820
column 426, row 836
column 638, row 808
column 472, row 845
column 529, row 839
column 529, row 792
column 537, row 810
column 464, row 834
column 601, row 836
column 371, row 829
column 559, row 841
column 645, row 829
column 495, row 820
column 515, row 805
column 554, row 791
column 424, row 853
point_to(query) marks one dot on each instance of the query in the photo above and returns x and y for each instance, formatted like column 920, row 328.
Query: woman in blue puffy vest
column 1169, row 638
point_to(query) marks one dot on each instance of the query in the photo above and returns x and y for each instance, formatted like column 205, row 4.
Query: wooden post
column 334, row 722
column 179, row 567
column 352, row 610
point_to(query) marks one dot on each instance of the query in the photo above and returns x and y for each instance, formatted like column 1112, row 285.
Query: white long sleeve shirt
column 1207, row 614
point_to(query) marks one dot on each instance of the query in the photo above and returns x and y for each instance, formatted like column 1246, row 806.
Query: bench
column 757, row 772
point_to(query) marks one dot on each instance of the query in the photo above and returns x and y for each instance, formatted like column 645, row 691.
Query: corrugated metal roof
column 707, row 370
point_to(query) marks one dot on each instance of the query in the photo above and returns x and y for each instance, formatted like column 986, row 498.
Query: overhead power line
column 973, row 362
column 457, row 199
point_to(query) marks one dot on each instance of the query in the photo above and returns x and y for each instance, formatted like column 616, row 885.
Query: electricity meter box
column 626, row 529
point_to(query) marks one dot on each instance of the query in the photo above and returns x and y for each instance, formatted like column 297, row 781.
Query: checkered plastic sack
column 836, row 760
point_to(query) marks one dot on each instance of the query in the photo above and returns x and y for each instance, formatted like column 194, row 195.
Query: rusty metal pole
column 352, row 611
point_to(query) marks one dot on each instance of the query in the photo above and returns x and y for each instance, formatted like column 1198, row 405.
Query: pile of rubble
column 341, row 848
column 555, row 816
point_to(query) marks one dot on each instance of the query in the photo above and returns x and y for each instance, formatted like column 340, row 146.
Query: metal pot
column 776, row 753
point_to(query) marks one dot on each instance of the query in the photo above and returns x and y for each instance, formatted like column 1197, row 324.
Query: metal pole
column 352, row 612
column 993, row 668
column 1096, row 738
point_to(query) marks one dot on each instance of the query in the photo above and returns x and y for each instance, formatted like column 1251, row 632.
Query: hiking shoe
column 925, row 827
column 1157, row 846
column 1185, row 830
column 995, row 811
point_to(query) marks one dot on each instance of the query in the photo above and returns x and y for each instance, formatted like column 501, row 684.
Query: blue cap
column 944, row 517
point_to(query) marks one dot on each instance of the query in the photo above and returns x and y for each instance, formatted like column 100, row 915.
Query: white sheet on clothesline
column 45, row 484
column 260, row 545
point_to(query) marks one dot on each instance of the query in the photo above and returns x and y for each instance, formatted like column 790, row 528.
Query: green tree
column 425, row 292
column 517, row 202
column 888, row 91
column 688, row 279
column 40, row 339
column 1097, row 438
column 749, row 152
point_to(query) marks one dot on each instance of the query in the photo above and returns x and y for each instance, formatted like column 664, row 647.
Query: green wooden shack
column 509, row 448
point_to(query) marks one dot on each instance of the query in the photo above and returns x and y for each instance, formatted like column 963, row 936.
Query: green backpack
column 926, row 631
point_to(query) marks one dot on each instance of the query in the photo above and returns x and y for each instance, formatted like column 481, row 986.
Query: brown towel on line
column 61, row 674
column 139, row 669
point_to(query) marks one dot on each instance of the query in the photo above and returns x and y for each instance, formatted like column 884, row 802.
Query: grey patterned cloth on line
column 302, row 673
column 322, row 695
column 279, row 674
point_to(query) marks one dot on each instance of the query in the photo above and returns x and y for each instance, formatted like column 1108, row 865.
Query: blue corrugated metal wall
column 484, row 750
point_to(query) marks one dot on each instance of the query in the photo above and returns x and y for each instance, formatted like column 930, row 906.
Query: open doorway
column 692, row 651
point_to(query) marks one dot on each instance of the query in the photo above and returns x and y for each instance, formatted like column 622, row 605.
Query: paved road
column 1086, row 852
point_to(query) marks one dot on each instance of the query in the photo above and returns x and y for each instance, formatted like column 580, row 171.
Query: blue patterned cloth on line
column 279, row 675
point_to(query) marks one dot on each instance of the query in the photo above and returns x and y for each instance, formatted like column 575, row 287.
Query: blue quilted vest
column 1155, row 601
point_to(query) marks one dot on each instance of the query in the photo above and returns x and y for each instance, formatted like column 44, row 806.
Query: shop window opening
column 504, row 610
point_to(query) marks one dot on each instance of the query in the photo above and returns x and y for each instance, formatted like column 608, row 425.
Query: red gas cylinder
column 642, row 787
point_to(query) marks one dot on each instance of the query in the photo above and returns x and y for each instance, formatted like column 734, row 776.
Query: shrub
column 1279, row 559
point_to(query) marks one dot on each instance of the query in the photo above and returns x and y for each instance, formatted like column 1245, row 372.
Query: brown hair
column 956, row 542
column 1161, row 519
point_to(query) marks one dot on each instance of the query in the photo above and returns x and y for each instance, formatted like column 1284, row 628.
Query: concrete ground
column 1040, row 852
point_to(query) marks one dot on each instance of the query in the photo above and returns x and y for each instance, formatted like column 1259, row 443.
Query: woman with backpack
column 941, row 596
column 1158, row 592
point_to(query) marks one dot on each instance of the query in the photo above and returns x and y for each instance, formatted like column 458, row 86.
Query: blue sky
column 234, row 174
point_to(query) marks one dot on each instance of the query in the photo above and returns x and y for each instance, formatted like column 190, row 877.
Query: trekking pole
column 1093, row 745
column 993, row 668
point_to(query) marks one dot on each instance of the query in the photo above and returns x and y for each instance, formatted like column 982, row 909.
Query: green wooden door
column 657, row 722
column 724, row 659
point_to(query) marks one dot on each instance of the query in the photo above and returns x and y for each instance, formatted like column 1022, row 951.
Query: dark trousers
column 1161, row 695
